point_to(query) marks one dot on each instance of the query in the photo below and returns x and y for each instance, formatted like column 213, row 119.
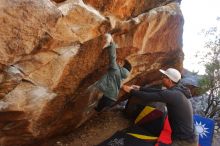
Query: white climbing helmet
column 172, row 74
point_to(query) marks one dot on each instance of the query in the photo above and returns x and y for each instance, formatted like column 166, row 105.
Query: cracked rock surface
column 51, row 52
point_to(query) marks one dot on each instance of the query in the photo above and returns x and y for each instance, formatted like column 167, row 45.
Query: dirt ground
column 94, row 131
column 97, row 129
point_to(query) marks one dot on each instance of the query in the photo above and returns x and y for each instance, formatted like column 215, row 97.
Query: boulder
column 25, row 26
column 51, row 53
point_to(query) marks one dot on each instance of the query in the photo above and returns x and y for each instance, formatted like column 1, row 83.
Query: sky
column 198, row 15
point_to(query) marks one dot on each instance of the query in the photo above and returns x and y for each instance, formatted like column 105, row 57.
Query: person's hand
column 135, row 20
column 108, row 40
column 127, row 88
column 135, row 87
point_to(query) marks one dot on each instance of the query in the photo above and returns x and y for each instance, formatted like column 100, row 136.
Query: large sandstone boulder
column 51, row 52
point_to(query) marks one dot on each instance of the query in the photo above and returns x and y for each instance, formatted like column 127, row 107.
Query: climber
column 179, row 108
column 111, row 82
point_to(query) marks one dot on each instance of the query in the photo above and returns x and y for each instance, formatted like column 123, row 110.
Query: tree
column 210, row 82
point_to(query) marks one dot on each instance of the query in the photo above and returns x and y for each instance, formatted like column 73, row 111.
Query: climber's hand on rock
column 108, row 40
column 135, row 87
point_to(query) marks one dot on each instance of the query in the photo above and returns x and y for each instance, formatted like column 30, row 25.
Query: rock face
column 51, row 52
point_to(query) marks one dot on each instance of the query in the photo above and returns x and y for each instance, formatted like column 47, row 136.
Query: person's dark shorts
column 104, row 102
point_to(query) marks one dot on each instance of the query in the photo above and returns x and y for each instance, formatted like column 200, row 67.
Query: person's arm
column 111, row 47
column 162, row 96
column 145, row 88
column 112, row 55
column 150, row 96
column 149, row 89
